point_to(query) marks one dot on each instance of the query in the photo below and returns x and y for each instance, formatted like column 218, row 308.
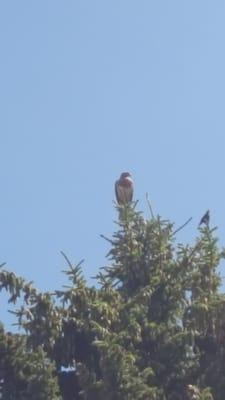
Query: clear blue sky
column 89, row 89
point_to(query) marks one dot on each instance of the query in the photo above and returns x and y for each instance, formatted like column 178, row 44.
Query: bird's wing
column 205, row 218
column 201, row 220
column 128, row 193
column 117, row 192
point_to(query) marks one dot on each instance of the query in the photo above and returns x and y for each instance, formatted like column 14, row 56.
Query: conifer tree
column 153, row 328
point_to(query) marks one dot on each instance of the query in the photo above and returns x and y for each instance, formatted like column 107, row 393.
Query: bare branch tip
column 67, row 259
column 149, row 205
column 182, row 226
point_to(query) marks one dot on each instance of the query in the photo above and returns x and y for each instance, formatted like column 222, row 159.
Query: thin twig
column 182, row 226
column 149, row 206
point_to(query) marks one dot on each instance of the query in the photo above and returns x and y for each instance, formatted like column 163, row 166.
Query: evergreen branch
column 189, row 258
column 73, row 269
column 67, row 259
column 107, row 239
column 160, row 242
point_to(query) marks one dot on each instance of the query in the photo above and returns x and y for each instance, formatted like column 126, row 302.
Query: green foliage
column 153, row 328
column 25, row 373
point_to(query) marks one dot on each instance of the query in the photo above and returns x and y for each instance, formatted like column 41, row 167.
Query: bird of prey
column 124, row 188
column 205, row 219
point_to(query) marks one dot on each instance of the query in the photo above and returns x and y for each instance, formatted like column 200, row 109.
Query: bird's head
column 125, row 175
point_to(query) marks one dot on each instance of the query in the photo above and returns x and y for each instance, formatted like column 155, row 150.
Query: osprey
column 124, row 188
column 205, row 219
